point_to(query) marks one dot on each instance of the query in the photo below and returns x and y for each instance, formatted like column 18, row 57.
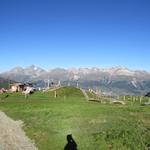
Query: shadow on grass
column 71, row 145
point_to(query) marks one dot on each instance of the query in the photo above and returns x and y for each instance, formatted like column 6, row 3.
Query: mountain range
column 109, row 81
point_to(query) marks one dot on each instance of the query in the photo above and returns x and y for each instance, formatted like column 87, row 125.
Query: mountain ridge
column 117, row 80
column 78, row 69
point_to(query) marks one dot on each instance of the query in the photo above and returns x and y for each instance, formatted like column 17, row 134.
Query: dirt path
column 12, row 137
column 85, row 94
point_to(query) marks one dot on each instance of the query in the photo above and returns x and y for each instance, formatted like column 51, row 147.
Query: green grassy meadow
column 94, row 126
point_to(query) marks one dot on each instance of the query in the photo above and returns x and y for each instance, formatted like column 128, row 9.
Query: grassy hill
column 48, row 120
column 69, row 92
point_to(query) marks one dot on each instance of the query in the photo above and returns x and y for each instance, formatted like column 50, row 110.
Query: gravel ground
column 12, row 137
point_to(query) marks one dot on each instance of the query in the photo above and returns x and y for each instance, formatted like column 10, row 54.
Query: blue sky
column 75, row 33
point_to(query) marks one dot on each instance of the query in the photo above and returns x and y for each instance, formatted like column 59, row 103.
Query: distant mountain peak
column 33, row 67
column 119, row 71
column 34, row 70
column 16, row 69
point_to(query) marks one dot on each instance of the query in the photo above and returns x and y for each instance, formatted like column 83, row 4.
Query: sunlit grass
column 94, row 126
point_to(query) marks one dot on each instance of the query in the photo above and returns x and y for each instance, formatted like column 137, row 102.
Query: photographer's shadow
column 71, row 145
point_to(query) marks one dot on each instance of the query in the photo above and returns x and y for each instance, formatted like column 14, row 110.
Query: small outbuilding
column 17, row 87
